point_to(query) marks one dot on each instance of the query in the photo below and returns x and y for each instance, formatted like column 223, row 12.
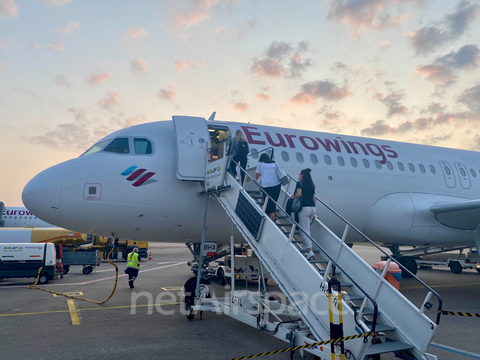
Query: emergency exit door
column 192, row 141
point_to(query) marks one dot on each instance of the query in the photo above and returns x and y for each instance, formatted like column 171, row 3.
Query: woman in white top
column 267, row 169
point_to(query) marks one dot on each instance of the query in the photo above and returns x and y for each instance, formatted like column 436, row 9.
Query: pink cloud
column 8, row 9
column 3, row 46
column 182, row 65
column 167, row 94
column 367, row 14
column 241, row 106
column 263, row 96
column 195, row 13
column 62, row 82
column 99, row 78
column 382, row 45
column 439, row 74
column 319, row 89
column 139, row 66
column 71, row 28
column 136, row 32
column 110, row 100
column 56, row 47
column 267, row 68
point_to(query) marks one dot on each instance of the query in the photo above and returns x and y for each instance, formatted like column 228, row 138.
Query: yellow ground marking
column 73, row 312
column 174, row 288
column 87, row 309
column 70, row 294
column 437, row 286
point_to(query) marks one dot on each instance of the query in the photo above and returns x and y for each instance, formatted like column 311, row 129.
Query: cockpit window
column 119, row 146
column 142, row 146
column 96, row 148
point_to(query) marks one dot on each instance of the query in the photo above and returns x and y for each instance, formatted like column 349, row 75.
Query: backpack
column 242, row 147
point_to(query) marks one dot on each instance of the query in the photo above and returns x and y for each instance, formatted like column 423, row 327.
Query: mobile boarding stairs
column 334, row 295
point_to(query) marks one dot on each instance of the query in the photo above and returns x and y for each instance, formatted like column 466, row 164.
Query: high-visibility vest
column 132, row 260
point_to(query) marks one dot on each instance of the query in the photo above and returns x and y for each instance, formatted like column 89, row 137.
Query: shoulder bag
column 282, row 175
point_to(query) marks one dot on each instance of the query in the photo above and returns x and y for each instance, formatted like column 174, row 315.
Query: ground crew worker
column 133, row 265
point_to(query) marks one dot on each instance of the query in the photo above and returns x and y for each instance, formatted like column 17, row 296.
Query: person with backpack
column 239, row 154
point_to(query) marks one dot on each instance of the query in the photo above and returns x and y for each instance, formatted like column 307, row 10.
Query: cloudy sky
column 72, row 71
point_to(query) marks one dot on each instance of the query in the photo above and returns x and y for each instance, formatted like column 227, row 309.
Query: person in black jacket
column 306, row 188
column 239, row 153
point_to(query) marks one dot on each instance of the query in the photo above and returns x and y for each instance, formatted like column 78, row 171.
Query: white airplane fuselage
column 15, row 216
column 90, row 195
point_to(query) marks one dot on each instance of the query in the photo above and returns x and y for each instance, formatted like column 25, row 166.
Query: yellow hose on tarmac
column 76, row 297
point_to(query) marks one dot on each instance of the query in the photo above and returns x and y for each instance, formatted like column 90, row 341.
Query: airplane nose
column 41, row 195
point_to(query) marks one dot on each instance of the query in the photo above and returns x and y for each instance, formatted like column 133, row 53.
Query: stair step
column 318, row 261
column 381, row 327
column 389, row 346
column 352, row 297
column 366, row 311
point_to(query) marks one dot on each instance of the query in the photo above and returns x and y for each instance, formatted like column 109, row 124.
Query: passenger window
column 463, row 172
column 474, row 174
column 353, row 161
column 285, row 156
column 299, row 157
column 340, row 160
column 389, row 165
column 432, row 169
column 366, row 163
column 119, row 146
column 447, row 171
column 142, row 146
column 411, row 167
column 314, row 158
column 327, row 159
column 400, row 166
column 254, row 153
column 422, row 168
column 378, row 165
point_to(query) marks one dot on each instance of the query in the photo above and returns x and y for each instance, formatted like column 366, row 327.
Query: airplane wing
column 464, row 215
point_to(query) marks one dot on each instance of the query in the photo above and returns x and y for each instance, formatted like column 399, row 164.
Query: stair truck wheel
column 221, row 277
column 189, row 292
column 455, row 267
column 410, row 263
column 43, row 279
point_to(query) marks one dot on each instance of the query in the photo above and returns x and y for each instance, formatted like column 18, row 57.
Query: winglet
column 212, row 117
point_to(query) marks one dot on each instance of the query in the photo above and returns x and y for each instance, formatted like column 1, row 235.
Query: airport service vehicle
column 19, row 260
column 152, row 182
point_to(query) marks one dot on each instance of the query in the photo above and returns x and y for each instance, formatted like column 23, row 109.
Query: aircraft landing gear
column 410, row 263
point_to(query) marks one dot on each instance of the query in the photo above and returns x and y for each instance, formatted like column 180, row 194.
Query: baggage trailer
column 89, row 259
column 18, row 260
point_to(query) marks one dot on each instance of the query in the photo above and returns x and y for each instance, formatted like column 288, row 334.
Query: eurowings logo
column 138, row 175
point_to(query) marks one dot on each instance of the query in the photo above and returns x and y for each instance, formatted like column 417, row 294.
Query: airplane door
column 448, row 174
column 192, row 141
column 2, row 207
column 463, row 175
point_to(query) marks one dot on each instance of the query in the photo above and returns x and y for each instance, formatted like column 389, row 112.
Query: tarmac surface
column 149, row 322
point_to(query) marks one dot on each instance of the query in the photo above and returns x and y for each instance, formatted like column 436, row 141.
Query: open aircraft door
column 192, row 141
column 2, row 207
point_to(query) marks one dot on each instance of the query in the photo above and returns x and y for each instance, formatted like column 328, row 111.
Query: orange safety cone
column 150, row 255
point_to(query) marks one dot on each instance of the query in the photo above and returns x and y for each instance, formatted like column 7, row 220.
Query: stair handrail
column 374, row 303
column 440, row 301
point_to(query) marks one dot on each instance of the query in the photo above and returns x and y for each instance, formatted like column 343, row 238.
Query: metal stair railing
column 409, row 327
column 389, row 257
column 296, row 226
